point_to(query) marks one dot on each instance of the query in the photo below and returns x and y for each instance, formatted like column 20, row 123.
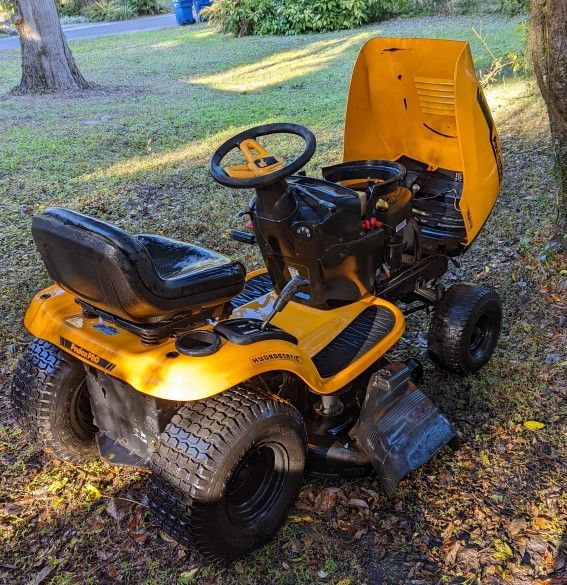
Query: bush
column 148, row 6
column 73, row 19
column 289, row 17
column 99, row 10
column 109, row 10
column 69, row 7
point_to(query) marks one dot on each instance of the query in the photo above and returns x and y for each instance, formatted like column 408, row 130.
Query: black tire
column 51, row 400
column 465, row 328
column 226, row 472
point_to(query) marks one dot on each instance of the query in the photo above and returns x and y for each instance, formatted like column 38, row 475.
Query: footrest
column 399, row 427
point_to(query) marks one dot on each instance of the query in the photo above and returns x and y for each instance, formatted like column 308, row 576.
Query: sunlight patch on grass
column 166, row 44
column 203, row 34
column 507, row 91
column 279, row 67
column 193, row 153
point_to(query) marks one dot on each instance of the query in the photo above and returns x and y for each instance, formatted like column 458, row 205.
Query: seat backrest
column 95, row 261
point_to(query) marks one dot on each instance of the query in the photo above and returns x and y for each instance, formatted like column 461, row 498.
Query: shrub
column 513, row 7
column 69, row 7
column 148, row 6
column 109, row 10
column 288, row 17
column 73, row 19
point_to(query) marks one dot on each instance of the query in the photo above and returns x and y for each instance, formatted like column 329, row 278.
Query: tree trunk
column 47, row 63
column 549, row 54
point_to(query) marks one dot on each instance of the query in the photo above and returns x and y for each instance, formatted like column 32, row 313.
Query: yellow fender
column 160, row 371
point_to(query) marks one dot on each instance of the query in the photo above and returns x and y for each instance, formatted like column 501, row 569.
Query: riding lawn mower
column 226, row 386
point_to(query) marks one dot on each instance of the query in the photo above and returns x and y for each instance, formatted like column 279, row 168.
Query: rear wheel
column 226, row 472
column 465, row 327
column 51, row 400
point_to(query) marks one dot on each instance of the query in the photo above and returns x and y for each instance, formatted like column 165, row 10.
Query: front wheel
column 465, row 327
column 51, row 400
column 226, row 472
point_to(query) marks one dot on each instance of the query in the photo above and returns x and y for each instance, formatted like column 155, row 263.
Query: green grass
column 172, row 96
column 134, row 151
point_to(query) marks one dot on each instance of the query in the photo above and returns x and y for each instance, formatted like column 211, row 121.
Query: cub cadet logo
column 261, row 163
column 266, row 357
column 87, row 355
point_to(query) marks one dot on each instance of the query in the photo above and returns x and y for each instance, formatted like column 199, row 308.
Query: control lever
column 286, row 294
column 243, row 237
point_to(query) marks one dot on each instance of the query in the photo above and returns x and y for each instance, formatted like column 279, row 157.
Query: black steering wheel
column 261, row 167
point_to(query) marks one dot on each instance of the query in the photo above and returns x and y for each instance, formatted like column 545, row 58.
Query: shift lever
column 286, row 294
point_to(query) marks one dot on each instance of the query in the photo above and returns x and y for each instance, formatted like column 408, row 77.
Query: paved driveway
column 92, row 30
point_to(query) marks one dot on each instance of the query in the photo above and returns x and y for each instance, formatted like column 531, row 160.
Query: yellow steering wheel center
column 259, row 161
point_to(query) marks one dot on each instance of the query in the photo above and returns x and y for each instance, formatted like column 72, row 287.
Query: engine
column 346, row 234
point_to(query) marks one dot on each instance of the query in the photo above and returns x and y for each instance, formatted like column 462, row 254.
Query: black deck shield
column 399, row 427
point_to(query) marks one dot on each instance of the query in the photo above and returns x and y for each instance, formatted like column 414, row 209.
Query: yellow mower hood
column 420, row 98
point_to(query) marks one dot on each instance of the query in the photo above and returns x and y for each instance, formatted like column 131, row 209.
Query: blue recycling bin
column 187, row 11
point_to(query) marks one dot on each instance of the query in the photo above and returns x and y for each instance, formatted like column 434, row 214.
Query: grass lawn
column 134, row 151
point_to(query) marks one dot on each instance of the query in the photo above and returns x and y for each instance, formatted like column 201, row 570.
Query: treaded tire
column 198, row 490
column 48, row 391
column 465, row 328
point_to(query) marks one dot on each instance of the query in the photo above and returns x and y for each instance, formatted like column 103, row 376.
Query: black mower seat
column 142, row 279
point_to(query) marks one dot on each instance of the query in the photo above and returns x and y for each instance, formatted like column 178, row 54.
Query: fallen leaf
column 114, row 510
column 295, row 519
column 326, row 500
column 503, row 549
column 12, row 509
column 358, row 503
column 451, row 556
column 188, row 576
column 92, row 491
column 541, row 523
column 517, row 525
column 138, row 536
column 134, row 521
column 111, row 571
column 42, row 575
column 307, row 540
column 346, row 526
column 533, row 425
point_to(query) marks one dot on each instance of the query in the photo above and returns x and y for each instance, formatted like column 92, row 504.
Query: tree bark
column 549, row 54
column 47, row 63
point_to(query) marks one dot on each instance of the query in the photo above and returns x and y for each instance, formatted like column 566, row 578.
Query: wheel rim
column 80, row 414
column 257, row 483
column 481, row 336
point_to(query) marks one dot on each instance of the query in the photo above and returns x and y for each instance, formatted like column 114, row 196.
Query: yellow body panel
column 55, row 316
column 421, row 98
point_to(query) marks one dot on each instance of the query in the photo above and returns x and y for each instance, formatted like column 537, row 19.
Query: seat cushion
column 144, row 278
column 173, row 259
